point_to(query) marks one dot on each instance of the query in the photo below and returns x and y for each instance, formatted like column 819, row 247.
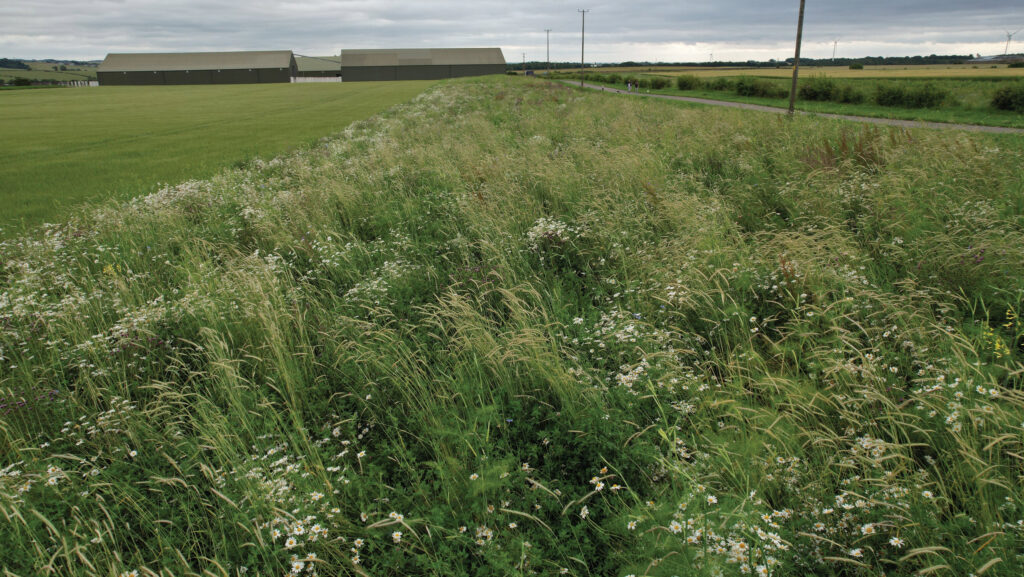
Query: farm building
column 420, row 63
column 318, row 66
column 197, row 68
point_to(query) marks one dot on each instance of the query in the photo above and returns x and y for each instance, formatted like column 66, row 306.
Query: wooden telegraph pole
column 796, row 58
column 583, row 36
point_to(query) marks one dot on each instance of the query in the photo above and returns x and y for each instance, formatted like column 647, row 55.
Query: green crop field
column 45, row 71
column 891, row 72
column 517, row 328
column 956, row 94
column 61, row 147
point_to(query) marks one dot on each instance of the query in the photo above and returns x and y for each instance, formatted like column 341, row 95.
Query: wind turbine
column 835, row 43
column 1009, row 36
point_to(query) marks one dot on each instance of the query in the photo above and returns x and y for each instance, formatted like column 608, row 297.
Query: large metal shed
column 254, row 67
column 420, row 63
column 318, row 66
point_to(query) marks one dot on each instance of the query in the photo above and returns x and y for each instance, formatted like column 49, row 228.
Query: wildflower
column 396, row 536
column 474, row 477
column 897, row 542
column 291, row 542
column 297, row 567
column 631, row 525
column 133, row 453
column 858, row 552
column 316, row 496
column 584, row 512
column 675, row 527
column 132, row 573
column 927, row 494
column 363, row 517
column 512, row 525
column 868, row 529
column 396, row 516
column 761, row 571
column 360, row 454
column 712, row 499
column 358, row 543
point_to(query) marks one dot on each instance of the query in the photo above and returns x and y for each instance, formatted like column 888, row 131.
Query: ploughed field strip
column 515, row 328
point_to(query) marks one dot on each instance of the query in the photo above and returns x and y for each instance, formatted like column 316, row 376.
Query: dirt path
column 868, row 119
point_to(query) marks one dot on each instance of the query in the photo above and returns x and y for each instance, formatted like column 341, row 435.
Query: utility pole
column 548, row 31
column 524, row 64
column 583, row 36
column 796, row 57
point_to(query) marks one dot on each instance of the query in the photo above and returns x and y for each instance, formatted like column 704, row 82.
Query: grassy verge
column 516, row 328
column 59, row 148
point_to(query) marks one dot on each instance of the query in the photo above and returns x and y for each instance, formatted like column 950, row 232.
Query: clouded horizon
column 642, row 30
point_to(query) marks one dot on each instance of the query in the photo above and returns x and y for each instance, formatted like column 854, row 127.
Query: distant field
column 893, row 72
column 59, row 148
column 962, row 94
column 45, row 71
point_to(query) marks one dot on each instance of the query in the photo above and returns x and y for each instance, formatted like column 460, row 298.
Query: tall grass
column 516, row 328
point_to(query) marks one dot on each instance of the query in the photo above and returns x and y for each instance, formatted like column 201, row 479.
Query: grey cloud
column 643, row 29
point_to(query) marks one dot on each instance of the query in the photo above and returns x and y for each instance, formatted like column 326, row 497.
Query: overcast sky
column 641, row 30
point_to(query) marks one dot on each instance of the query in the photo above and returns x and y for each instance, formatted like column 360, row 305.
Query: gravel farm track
column 867, row 119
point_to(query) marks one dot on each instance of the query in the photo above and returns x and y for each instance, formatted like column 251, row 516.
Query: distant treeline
column 866, row 60
column 16, row 64
column 23, row 64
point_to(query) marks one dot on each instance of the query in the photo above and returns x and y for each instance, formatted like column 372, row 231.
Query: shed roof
column 197, row 61
column 421, row 56
column 314, row 63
